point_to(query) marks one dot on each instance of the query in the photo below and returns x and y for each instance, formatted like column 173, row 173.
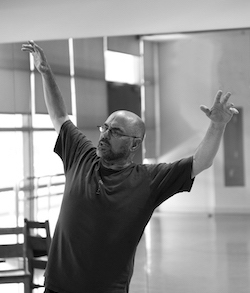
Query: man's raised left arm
column 220, row 114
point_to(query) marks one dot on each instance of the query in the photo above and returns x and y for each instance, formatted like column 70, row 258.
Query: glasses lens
column 114, row 133
column 102, row 128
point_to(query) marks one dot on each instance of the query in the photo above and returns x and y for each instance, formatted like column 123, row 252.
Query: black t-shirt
column 103, row 215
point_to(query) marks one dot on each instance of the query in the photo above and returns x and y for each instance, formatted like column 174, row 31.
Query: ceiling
column 60, row 19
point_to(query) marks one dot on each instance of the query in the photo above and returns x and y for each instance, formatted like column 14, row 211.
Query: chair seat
column 14, row 276
column 11, row 274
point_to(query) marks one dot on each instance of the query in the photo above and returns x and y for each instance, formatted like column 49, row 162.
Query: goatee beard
column 110, row 156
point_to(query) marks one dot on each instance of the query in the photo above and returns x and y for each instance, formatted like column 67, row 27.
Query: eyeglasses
column 113, row 131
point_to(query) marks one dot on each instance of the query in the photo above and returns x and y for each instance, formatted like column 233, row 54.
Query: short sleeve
column 71, row 143
column 169, row 179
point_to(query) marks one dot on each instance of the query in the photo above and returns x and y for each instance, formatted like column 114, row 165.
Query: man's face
column 114, row 148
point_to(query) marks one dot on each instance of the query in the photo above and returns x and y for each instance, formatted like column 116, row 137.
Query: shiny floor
column 183, row 253
column 190, row 253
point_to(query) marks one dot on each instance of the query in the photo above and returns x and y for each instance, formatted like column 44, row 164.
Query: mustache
column 104, row 140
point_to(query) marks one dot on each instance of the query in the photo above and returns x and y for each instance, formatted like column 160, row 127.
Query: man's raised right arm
column 52, row 95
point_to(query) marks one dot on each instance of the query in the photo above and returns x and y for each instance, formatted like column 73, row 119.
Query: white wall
column 191, row 72
column 63, row 19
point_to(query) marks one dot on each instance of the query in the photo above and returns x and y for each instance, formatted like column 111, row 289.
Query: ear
column 136, row 144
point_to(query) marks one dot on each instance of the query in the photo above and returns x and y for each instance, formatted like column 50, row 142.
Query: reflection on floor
column 190, row 253
column 183, row 253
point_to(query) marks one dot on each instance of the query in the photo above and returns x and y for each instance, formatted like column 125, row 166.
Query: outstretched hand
column 222, row 111
column 39, row 57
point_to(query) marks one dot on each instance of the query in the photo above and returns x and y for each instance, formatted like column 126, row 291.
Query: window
column 11, row 153
column 11, row 171
column 121, row 67
column 28, row 161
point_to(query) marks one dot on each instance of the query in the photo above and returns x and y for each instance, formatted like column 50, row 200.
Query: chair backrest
column 12, row 247
column 37, row 240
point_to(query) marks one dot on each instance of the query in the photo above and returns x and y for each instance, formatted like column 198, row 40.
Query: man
column 108, row 200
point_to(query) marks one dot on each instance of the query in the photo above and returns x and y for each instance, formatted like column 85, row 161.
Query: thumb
column 205, row 109
column 233, row 110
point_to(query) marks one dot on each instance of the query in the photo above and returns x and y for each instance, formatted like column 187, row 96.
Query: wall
column 95, row 18
column 234, row 74
column 191, row 71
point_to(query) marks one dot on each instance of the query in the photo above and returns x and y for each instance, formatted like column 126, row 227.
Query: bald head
column 132, row 123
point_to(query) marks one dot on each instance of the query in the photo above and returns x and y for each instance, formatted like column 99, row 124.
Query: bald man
column 108, row 199
column 119, row 153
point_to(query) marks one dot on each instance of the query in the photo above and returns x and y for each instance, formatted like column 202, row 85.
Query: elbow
column 209, row 164
column 198, row 167
column 206, row 165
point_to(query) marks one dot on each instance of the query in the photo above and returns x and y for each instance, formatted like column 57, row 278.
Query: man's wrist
column 45, row 69
column 218, row 125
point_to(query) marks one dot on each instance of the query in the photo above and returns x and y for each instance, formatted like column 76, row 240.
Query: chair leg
column 27, row 288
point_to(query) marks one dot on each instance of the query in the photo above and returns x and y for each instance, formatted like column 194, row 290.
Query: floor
column 183, row 253
column 190, row 253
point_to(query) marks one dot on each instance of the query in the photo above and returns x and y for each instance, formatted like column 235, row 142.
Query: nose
column 106, row 134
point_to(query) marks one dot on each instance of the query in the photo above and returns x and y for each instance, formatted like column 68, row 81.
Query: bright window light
column 11, row 120
column 42, row 121
column 123, row 68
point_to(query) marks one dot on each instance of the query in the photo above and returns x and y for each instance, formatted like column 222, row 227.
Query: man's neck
column 116, row 165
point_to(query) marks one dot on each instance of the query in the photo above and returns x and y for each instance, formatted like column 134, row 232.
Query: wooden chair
column 37, row 240
column 13, row 268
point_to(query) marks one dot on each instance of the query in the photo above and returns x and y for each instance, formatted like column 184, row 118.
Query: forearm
column 52, row 95
column 53, row 99
column 205, row 153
